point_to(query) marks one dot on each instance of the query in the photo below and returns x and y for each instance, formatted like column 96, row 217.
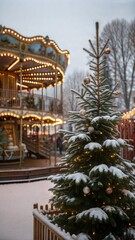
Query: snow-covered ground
column 16, row 205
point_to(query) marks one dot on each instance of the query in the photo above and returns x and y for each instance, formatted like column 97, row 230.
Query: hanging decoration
column 109, row 190
column 86, row 80
column 86, row 190
column 82, row 112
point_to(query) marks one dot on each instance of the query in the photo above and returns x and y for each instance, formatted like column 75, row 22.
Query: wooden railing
column 37, row 146
column 30, row 101
column 43, row 229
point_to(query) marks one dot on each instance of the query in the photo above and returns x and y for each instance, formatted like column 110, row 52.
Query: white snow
column 56, row 177
column 108, row 118
column 111, row 143
column 109, row 209
column 93, row 213
column 83, row 236
column 117, row 172
column 92, row 146
column 104, row 168
column 115, row 209
column 131, row 232
column 128, row 194
column 16, row 206
column 100, row 168
column 110, row 236
column 79, row 136
column 121, row 141
column 78, row 177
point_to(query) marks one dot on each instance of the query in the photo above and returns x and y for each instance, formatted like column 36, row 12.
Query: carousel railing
column 36, row 145
column 31, row 101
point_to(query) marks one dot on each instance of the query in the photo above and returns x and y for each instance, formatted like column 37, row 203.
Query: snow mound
column 92, row 146
column 77, row 177
column 93, row 214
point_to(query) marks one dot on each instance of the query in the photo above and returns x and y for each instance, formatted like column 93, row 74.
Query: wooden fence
column 43, row 229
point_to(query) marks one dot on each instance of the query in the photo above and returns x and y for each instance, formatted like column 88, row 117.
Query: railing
column 30, row 101
column 37, row 146
column 43, row 229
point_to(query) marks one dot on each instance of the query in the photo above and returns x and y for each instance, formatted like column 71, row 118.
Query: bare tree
column 72, row 81
column 122, row 57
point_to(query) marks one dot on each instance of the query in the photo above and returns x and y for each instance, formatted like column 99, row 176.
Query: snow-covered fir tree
column 96, row 193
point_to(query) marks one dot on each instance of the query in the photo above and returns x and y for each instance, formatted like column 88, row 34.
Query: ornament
column 109, row 190
column 118, row 93
column 86, row 80
column 82, row 112
column 86, row 190
column 91, row 129
column 107, row 50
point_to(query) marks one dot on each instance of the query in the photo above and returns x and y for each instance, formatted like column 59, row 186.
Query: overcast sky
column 70, row 23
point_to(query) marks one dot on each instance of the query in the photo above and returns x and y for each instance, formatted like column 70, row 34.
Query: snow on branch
column 93, row 146
column 103, row 168
column 81, row 136
column 129, row 194
column 93, row 214
column 116, row 210
column 78, row 177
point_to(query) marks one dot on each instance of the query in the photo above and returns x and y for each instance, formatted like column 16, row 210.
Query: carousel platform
column 29, row 170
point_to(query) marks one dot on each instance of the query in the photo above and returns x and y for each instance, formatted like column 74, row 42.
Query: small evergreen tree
column 96, row 193
column 3, row 142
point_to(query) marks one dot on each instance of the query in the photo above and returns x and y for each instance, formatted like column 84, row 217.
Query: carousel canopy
column 129, row 115
column 43, row 63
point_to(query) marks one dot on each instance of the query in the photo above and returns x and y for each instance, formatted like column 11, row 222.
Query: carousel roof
column 43, row 62
column 129, row 115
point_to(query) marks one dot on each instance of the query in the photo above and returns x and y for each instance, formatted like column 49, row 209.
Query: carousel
column 29, row 68
column 127, row 131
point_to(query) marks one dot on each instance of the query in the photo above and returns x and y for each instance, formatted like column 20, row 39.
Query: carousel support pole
column 21, row 111
column 55, row 111
column 62, row 109
column 42, row 115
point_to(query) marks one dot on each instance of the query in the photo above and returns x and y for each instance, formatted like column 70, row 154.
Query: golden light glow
column 33, row 39
column 129, row 114
column 9, row 114
column 13, row 64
